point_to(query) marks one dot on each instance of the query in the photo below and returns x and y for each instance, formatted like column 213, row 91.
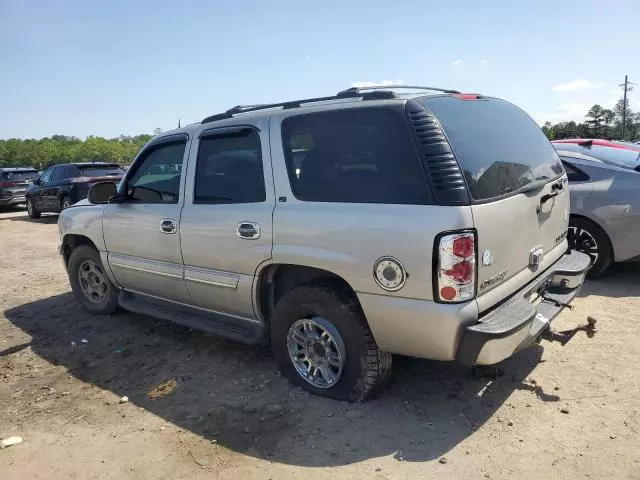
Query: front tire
column 587, row 237
column 89, row 282
column 65, row 203
column 31, row 209
column 322, row 343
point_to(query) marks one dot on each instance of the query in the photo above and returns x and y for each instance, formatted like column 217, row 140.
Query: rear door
column 50, row 192
column 226, row 223
column 519, row 192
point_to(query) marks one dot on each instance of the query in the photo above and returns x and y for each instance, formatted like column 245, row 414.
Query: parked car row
column 61, row 186
column 55, row 189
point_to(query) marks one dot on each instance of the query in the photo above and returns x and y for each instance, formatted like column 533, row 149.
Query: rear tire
column 89, row 282
column 335, row 326
column 587, row 237
column 31, row 209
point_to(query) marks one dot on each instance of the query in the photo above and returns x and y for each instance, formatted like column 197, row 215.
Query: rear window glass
column 499, row 147
column 359, row 155
column 620, row 157
column 101, row 171
column 20, row 176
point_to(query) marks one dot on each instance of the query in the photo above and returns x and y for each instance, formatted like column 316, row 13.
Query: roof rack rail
column 378, row 93
column 285, row 105
column 393, row 87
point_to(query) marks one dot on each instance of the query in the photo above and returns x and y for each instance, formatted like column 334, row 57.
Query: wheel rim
column 93, row 281
column 30, row 207
column 317, row 351
column 583, row 241
column 66, row 203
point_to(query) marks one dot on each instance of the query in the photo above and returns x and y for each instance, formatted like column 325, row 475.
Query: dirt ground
column 203, row 407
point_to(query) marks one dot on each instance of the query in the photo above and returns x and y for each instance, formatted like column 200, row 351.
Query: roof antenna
column 178, row 122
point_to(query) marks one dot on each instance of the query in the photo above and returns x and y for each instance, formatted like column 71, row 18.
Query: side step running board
column 236, row 328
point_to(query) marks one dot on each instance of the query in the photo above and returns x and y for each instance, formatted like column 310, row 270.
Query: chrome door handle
column 248, row 230
column 168, row 225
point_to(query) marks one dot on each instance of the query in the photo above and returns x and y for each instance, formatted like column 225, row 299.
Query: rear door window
column 574, row 174
column 229, row 169
column 359, row 155
column 101, row 171
column 500, row 149
column 58, row 174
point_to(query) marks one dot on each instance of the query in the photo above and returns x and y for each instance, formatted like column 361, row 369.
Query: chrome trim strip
column 212, row 283
column 146, row 270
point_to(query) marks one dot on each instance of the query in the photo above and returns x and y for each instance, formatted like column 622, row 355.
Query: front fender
column 83, row 219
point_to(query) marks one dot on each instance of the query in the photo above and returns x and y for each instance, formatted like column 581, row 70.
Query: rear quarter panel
column 614, row 204
column 348, row 238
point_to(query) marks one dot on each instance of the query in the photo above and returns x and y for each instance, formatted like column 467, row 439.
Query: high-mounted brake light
column 456, row 269
column 467, row 96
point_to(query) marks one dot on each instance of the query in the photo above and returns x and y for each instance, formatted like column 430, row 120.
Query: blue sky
column 105, row 68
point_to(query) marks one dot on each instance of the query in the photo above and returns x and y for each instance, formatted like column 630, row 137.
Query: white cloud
column 456, row 63
column 383, row 83
column 484, row 62
column 565, row 113
column 579, row 84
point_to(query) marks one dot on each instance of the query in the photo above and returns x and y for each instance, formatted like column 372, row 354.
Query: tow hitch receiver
column 565, row 335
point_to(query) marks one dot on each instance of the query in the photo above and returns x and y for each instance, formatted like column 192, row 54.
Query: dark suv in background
column 13, row 184
column 61, row 186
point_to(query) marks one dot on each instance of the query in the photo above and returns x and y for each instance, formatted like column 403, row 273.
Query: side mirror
column 102, row 192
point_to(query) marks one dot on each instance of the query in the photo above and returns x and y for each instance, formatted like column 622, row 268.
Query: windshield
column 499, row 147
column 20, row 176
column 620, row 157
column 101, row 171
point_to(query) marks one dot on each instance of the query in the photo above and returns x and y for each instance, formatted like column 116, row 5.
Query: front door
column 141, row 229
column 226, row 224
column 39, row 189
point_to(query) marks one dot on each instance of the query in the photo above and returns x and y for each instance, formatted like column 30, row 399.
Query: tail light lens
column 456, row 271
column 9, row 184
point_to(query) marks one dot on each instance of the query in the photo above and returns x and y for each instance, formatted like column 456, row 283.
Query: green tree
column 595, row 117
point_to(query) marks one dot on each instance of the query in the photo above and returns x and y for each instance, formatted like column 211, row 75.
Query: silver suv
column 343, row 229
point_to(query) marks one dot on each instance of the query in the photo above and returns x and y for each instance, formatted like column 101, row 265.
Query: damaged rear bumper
column 517, row 323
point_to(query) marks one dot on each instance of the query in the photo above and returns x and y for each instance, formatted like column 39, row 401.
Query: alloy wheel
column 317, row 351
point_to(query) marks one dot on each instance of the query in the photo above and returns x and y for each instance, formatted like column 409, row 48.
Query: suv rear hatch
column 517, row 187
column 16, row 182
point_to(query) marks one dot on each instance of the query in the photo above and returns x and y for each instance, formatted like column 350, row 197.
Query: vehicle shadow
column 233, row 393
column 45, row 218
column 620, row 281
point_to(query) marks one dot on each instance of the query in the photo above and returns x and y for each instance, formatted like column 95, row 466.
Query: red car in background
column 588, row 142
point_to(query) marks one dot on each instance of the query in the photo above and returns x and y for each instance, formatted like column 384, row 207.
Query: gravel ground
column 203, row 407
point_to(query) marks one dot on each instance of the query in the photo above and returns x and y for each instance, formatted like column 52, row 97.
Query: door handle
column 168, row 225
column 248, row 230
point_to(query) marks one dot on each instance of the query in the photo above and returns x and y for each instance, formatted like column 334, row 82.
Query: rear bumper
column 12, row 200
column 517, row 323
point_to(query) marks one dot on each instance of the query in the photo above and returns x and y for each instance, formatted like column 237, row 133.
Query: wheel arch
column 274, row 280
column 71, row 241
column 598, row 225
